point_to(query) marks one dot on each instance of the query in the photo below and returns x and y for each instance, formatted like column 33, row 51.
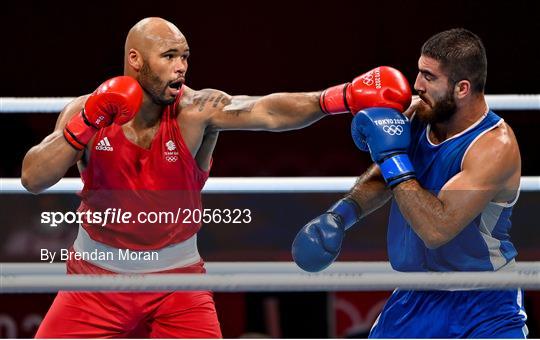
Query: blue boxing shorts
column 452, row 314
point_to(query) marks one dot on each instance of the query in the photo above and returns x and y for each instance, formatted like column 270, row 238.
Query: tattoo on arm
column 240, row 104
column 202, row 101
column 217, row 100
column 209, row 99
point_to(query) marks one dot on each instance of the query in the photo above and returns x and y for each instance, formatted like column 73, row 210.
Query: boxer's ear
column 462, row 88
column 135, row 59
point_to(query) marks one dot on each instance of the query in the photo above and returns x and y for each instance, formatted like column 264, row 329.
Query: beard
column 151, row 84
column 442, row 110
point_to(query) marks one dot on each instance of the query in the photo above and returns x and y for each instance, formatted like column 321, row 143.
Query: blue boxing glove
column 318, row 243
column 386, row 134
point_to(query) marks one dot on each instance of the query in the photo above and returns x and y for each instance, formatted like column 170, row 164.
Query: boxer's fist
column 381, row 87
column 117, row 101
column 318, row 243
column 387, row 134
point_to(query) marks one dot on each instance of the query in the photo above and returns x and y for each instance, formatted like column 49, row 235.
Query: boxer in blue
column 452, row 169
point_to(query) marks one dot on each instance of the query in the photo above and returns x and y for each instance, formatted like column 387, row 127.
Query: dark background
column 58, row 48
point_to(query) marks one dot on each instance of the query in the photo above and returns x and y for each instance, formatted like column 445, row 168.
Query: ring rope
column 56, row 104
column 219, row 185
column 271, row 282
column 267, row 267
column 265, row 276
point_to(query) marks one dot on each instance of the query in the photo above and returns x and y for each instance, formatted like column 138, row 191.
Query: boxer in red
column 144, row 142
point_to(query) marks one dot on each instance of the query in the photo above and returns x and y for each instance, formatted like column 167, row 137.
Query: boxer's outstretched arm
column 381, row 87
column 275, row 112
column 46, row 163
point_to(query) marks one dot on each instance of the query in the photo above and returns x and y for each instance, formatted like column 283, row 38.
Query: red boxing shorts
column 189, row 314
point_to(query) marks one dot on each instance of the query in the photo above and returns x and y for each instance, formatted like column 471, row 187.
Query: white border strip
column 219, row 185
column 56, row 104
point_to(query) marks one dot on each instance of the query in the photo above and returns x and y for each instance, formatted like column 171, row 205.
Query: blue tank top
column 484, row 244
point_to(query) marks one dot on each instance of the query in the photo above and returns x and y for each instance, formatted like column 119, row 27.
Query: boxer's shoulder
column 204, row 101
column 498, row 142
column 495, row 157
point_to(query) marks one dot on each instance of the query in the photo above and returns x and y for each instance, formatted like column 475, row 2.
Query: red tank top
column 162, row 179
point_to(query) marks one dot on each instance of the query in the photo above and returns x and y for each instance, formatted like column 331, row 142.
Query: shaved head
column 149, row 33
column 155, row 53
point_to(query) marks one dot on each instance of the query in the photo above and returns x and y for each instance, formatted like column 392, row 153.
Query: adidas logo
column 104, row 145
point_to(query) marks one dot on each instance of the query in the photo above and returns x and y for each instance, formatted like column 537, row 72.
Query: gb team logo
column 170, row 145
column 104, row 145
column 171, row 155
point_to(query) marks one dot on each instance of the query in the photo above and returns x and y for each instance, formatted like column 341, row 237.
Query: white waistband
column 118, row 260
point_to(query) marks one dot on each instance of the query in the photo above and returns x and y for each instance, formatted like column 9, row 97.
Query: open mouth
column 176, row 85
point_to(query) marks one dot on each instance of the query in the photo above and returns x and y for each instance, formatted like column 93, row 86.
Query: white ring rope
column 56, row 104
column 267, row 267
column 271, row 282
column 223, row 185
column 271, row 276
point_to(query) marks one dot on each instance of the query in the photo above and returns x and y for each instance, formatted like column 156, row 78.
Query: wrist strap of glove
column 348, row 210
column 333, row 100
column 79, row 131
column 397, row 169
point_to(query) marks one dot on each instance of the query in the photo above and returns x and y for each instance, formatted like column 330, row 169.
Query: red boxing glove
column 381, row 87
column 117, row 101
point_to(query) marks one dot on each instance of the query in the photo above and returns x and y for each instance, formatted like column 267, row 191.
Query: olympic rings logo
column 393, row 129
column 171, row 158
column 368, row 79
